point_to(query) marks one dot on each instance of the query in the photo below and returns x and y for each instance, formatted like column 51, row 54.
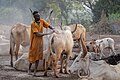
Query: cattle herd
column 60, row 46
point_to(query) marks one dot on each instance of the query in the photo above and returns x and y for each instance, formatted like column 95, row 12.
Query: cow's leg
column 101, row 53
column 55, row 67
column 113, row 50
column 62, row 64
column 11, row 54
column 12, row 45
column 66, row 63
column 44, row 64
column 47, row 63
column 55, row 61
column 110, row 51
column 79, row 44
column 17, row 50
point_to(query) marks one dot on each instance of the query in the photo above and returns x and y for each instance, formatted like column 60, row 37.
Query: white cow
column 95, row 70
column 79, row 61
column 61, row 44
column 99, row 45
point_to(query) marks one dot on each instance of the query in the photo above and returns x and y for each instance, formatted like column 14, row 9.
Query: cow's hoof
column 11, row 64
column 49, row 68
column 66, row 72
column 61, row 71
column 57, row 76
column 45, row 74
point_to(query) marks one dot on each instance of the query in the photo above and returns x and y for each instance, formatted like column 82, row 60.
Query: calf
column 98, row 46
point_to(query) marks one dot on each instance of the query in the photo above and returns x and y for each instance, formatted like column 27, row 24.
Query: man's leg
column 29, row 70
column 36, row 65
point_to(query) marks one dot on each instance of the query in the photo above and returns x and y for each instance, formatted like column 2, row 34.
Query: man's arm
column 47, row 25
column 38, row 34
column 51, row 27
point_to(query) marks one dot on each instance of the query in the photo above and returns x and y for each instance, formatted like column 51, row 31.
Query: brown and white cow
column 79, row 33
column 99, row 45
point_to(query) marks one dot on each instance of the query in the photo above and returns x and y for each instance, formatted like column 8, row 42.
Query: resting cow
column 98, row 46
column 96, row 70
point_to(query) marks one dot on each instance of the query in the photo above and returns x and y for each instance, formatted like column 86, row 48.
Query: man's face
column 37, row 16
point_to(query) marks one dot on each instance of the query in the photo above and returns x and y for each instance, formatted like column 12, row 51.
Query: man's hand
column 43, row 34
column 39, row 34
column 53, row 29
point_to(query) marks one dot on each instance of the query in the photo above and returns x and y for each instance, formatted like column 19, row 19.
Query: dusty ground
column 9, row 73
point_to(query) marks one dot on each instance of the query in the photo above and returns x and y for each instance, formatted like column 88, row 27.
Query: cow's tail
column 83, row 45
column 50, row 45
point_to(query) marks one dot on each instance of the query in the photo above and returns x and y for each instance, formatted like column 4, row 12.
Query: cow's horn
column 60, row 25
column 74, row 29
column 83, row 76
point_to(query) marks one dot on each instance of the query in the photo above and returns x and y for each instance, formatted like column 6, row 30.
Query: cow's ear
column 90, row 42
column 101, row 41
column 94, row 39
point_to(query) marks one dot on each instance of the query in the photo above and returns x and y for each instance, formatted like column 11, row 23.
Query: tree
column 96, row 6
column 110, row 6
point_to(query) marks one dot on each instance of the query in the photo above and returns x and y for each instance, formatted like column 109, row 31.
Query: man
column 36, row 41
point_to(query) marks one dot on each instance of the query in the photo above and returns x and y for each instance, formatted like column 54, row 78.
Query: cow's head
column 74, row 67
column 92, row 46
column 81, row 65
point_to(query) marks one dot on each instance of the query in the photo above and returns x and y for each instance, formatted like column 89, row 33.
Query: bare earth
column 9, row 73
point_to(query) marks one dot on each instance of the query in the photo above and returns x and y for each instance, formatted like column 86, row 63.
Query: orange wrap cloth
column 36, row 43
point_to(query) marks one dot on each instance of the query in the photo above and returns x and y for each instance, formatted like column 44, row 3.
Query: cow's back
column 80, row 29
column 106, row 42
column 20, row 34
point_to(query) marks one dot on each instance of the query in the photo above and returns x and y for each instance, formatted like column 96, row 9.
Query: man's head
column 36, row 15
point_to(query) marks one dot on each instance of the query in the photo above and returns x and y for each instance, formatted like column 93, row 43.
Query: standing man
column 36, row 41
